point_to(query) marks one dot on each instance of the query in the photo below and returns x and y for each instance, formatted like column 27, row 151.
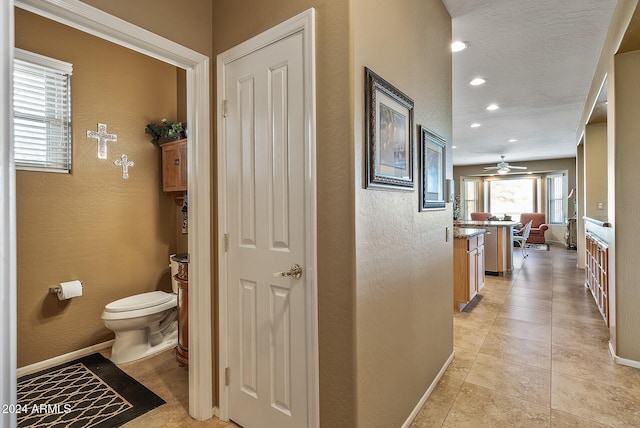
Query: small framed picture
column 388, row 135
column 432, row 161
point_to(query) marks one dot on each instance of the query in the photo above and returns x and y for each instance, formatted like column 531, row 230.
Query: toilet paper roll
column 70, row 289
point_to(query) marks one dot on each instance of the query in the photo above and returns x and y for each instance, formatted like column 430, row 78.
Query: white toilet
column 144, row 324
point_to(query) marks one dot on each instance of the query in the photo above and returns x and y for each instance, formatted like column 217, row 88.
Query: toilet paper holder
column 58, row 289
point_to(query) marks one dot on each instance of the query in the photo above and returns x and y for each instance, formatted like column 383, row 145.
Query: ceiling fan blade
column 491, row 168
column 517, row 167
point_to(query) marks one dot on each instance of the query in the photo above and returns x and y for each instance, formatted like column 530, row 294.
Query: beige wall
column 404, row 264
column 595, row 159
column 626, row 158
column 113, row 234
column 234, row 22
column 187, row 22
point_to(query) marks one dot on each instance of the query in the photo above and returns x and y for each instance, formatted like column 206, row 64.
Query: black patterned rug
column 88, row 392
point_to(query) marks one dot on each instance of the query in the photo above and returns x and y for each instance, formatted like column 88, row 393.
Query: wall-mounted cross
column 102, row 138
column 125, row 163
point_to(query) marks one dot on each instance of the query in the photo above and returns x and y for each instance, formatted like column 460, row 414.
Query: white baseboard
column 61, row 359
column 623, row 361
column 426, row 395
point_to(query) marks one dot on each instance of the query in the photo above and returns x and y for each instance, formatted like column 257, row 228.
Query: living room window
column 555, row 186
column 42, row 113
column 471, row 197
column 511, row 196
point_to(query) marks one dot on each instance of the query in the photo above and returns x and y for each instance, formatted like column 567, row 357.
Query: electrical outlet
column 600, row 205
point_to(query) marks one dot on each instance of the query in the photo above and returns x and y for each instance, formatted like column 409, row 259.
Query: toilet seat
column 139, row 305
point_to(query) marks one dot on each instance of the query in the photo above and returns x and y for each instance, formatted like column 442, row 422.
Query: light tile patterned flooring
column 534, row 353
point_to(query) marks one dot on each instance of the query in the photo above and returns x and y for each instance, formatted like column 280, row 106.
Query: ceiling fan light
column 503, row 170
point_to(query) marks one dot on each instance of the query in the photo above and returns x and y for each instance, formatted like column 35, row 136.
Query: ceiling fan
column 503, row 167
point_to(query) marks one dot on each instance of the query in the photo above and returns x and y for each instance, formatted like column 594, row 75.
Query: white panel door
column 266, row 234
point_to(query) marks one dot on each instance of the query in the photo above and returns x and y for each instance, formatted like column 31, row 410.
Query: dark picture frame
column 389, row 143
column 432, row 161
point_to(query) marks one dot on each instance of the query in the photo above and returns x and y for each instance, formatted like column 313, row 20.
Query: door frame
column 83, row 17
column 303, row 23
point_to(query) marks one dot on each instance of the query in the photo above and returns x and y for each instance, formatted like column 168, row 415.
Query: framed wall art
column 388, row 136
column 432, row 165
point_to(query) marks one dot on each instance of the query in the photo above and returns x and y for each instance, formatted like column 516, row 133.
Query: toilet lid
column 139, row 301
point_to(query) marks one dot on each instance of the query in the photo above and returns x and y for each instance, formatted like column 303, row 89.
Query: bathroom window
column 42, row 113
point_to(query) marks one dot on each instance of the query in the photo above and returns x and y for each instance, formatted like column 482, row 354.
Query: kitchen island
column 498, row 243
column 468, row 265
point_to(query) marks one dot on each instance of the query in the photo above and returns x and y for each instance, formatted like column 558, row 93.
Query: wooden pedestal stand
column 182, row 350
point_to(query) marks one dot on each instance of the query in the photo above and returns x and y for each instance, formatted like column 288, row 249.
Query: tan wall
column 536, row 167
column 595, row 158
column 237, row 21
column 113, row 234
column 404, row 264
column 187, row 22
column 626, row 158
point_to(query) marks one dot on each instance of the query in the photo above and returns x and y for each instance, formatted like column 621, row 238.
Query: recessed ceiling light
column 458, row 46
column 513, row 140
column 492, row 107
column 454, row 147
column 478, row 81
column 475, row 125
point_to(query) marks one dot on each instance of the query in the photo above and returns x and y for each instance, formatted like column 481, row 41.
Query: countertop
column 486, row 223
column 466, row 232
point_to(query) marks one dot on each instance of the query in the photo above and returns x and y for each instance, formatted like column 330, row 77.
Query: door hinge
column 224, row 108
column 226, row 242
column 226, row 376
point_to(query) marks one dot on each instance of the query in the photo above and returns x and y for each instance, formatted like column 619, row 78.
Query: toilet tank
column 174, row 260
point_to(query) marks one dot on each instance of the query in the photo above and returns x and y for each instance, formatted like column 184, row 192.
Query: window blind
column 42, row 112
column 555, row 184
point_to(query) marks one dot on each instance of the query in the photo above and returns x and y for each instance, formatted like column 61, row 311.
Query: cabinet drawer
column 480, row 240
column 472, row 243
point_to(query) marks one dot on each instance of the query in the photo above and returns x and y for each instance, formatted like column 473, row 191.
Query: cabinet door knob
column 176, row 161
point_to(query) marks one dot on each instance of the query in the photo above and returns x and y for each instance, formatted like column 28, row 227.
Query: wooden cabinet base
column 182, row 350
column 182, row 356
column 468, row 269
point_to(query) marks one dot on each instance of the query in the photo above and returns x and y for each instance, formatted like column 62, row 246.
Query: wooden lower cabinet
column 597, row 273
column 468, row 268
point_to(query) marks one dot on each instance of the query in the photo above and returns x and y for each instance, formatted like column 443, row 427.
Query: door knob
column 295, row 272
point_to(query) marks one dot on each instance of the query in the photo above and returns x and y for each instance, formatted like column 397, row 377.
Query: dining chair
column 521, row 237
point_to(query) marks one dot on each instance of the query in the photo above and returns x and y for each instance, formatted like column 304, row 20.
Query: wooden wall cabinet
column 468, row 267
column 596, row 273
column 174, row 169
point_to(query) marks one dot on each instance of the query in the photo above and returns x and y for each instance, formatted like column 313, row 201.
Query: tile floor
column 162, row 375
column 533, row 352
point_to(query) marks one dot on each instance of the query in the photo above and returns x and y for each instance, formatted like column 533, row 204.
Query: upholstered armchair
column 480, row 216
column 538, row 226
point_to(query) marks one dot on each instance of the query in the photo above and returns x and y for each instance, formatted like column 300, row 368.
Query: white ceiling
column 538, row 57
